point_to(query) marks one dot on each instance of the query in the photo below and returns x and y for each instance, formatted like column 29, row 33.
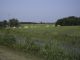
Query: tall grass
column 51, row 43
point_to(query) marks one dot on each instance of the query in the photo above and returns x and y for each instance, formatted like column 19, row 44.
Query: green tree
column 5, row 23
column 13, row 23
column 1, row 24
column 69, row 21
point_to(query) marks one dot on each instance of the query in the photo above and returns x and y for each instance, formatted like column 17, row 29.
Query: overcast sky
column 38, row 10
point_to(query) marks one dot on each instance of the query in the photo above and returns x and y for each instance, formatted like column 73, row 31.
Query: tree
column 5, row 23
column 1, row 24
column 69, row 21
column 13, row 23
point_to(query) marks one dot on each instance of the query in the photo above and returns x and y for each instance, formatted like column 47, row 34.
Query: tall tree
column 69, row 21
column 5, row 23
column 13, row 23
column 1, row 24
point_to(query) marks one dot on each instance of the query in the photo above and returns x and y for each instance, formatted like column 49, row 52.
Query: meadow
column 44, row 40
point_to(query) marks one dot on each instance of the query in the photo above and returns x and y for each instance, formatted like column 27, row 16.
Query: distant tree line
column 11, row 23
column 36, row 22
column 69, row 21
column 28, row 23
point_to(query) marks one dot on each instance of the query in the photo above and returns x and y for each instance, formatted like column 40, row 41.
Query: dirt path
column 8, row 54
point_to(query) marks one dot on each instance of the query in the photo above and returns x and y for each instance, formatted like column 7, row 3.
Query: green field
column 44, row 40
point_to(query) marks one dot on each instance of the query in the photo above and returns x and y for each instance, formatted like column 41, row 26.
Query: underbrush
column 7, row 40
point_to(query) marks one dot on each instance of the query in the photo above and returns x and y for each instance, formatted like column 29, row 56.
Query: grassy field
column 44, row 40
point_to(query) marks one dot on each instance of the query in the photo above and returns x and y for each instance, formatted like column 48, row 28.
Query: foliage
column 69, row 21
column 3, row 24
column 7, row 40
column 13, row 23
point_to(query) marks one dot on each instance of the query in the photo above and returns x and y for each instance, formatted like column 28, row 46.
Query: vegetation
column 11, row 23
column 51, row 43
column 7, row 40
column 3, row 24
column 44, row 40
column 69, row 21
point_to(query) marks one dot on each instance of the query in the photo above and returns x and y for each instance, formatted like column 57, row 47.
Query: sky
column 38, row 10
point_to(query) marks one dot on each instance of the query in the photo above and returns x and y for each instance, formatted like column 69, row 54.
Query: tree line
column 69, row 21
column 11, row 23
